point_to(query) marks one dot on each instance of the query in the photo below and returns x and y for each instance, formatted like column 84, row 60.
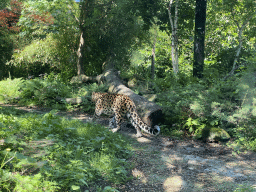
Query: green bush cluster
column 50, row 153
column 49, row 91
column 229, row 105
column 43, row 92
column 9, row 89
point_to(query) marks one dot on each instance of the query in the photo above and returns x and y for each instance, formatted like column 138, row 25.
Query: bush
column 43, row 92
column 9, row 89
column 229, row 105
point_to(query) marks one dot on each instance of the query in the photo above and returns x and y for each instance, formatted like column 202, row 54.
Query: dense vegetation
column 43, row 44
column 50, row 153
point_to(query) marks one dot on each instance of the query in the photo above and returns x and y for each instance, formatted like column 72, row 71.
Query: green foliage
column 53, row 153
column 44, row 56
column 43, row 92
column 34, row 183
column 9, row 89
column 49, row 92
column 245, row 188
column 47, row 39
column 229, row 105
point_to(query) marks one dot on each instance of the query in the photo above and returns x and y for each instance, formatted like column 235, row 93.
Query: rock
column 214, row 134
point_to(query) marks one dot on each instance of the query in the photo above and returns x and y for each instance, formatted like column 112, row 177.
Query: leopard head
column 95, row 96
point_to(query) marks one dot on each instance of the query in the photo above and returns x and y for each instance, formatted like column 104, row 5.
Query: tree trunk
column 80, row 54
column 200, row 18
column 84, row 11
column 149, row 112
column 153, row 60
column 174, row 25
column 239, row 47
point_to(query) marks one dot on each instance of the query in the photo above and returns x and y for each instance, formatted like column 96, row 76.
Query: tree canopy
column 50, row 35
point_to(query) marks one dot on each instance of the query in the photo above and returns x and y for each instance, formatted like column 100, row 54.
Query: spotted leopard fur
column 121, row 106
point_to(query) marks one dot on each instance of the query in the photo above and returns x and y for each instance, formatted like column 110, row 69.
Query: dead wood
column 88, row 79
column 150, row 112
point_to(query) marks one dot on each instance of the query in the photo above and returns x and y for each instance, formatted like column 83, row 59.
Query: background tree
column 222, row 37
column 9, row 15
column 49, row 39
column 199, row 39
column 174, row 25
column 178, row 22
column 242, row 12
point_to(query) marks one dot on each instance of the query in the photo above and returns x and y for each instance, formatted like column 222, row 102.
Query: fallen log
column 149, row 112
column 88, row 79
column 72, row 101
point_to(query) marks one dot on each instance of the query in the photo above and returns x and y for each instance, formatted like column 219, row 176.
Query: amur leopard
column 121, row 106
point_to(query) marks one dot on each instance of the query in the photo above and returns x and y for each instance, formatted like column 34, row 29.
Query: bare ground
column 163, row 164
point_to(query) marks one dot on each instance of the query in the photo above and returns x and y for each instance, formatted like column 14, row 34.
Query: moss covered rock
column 214, row 134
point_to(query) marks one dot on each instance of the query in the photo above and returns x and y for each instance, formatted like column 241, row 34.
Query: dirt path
column 162, row 164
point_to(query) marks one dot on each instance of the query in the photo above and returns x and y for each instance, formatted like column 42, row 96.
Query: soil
column 164, row 164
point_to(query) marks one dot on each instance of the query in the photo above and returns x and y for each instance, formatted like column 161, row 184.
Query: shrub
column 9, row 89
column 229, row 105
column 44, row 92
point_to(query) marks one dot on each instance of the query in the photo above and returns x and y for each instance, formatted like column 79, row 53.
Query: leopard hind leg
column 112, row 123
column 139, row 134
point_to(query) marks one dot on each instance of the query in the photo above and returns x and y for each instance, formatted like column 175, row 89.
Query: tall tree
column 178, row 22
column 9, row 15
column 174, row 25
column 242, row 12
column 110, row 27
column 199, row 38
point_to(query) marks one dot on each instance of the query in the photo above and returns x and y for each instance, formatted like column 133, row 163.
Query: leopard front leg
column 98, row 110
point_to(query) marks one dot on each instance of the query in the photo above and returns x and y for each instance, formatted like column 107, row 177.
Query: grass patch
column 51, row 153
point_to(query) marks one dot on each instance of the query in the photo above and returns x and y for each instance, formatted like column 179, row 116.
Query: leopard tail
column 135, row 119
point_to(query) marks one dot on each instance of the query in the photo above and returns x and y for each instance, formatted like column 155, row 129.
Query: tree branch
column 240, row 45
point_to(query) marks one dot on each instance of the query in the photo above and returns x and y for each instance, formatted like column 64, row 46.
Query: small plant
column 6, row 177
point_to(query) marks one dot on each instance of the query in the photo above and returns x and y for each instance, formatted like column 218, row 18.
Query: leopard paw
column 115, row 130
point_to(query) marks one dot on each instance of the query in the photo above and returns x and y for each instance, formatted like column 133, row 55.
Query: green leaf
column 75, row 187
column 83, row 181
column 191, row 129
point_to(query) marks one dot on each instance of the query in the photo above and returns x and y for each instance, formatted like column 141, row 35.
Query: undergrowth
column 51, row 153
column 229, row 105
column 50, row 91
column 190, row 106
